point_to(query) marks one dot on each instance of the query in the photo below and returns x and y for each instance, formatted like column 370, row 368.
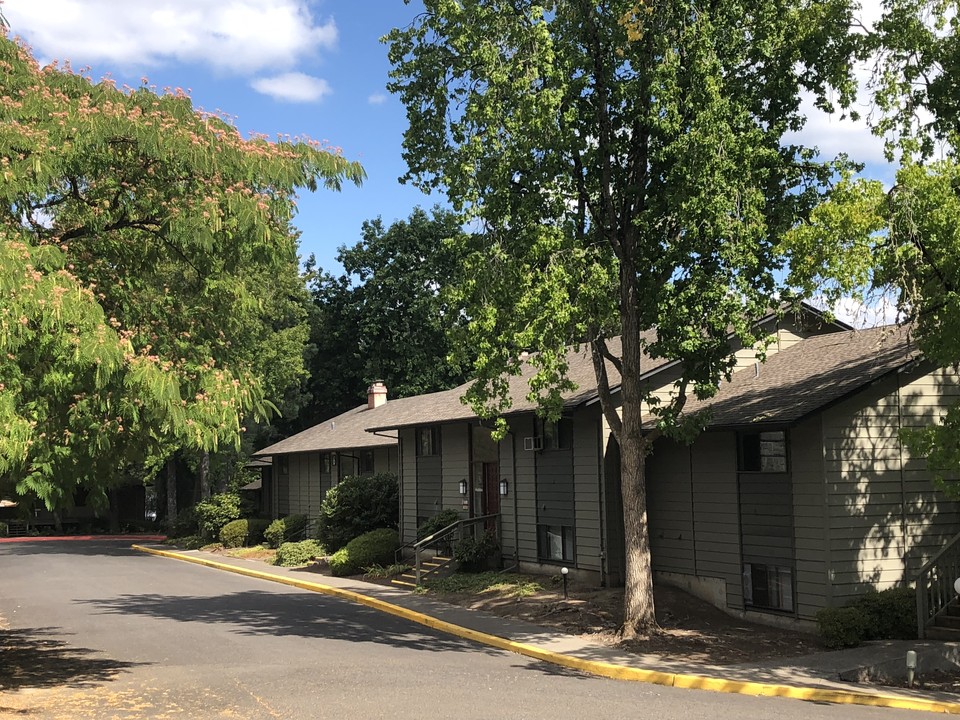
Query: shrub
column 215, row 512
column 376, row 547
column 291, row 554
column 239, row 533
column 357, row 505
column 438, row 522
column 474, row 554
column 4, row 529
column 284, row 529
column 190, row 542
column 184, row 524
column 890, row 614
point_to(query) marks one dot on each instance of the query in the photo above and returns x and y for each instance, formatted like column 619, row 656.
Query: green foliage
column 389, row 571
column 190, row 542
column 215, row 512
column 186, row 523
column 4, row 529
column 386, row 317
column 292, row 554
column 356, row 505
column 283, row 529
column 239, row 533
column 135, row 236
column 376, row 547
column 631, row 169
column 889, row 614
column 476, row 553
column 438, row 522
column 503, row 584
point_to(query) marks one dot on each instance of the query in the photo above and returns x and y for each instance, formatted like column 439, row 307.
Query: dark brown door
column 491, row 491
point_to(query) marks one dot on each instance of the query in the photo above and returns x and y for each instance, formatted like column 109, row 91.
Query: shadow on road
column 34, row 658
column 87, row 548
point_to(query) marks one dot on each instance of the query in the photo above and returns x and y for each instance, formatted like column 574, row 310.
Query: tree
column 626, row 162
column 387, row 316
column 904, row 241
column 141, row 242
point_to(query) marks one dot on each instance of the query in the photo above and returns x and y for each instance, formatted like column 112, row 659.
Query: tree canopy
column 628, row 167
column 903, row 241
column 387, row 316
column 144, row 248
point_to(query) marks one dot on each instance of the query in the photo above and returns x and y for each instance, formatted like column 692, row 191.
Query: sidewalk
column 812, row 677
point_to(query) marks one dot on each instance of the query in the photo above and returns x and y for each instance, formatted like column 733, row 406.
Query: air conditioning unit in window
column 533, row 443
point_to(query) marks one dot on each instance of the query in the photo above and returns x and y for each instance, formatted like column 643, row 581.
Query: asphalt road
column 96, row 630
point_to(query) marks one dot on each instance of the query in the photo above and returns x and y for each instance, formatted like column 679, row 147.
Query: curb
column 593, row 667
column 68, row 538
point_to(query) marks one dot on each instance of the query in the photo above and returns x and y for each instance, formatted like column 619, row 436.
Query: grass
column 257, row 552
column 502, row 584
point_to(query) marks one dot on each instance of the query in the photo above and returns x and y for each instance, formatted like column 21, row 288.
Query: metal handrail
column 935, row 584
column 445, row 533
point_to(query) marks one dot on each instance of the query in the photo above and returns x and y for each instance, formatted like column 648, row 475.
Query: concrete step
column 948, row 621
column 942, row 633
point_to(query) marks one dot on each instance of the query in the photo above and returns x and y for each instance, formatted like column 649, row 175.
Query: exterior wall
column 525, row 483
column 408, row 485
column 587, row 489
column 811, row 529
column 508, row 505
column 885, row 519
column 455, row 455
column 305, row 494
column 694, row 516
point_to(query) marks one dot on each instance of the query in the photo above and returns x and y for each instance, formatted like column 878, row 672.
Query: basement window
column 555, row 542
column 768, row 587
column 763, row 452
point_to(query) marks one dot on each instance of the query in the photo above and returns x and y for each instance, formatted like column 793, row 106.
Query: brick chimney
column 376, row 395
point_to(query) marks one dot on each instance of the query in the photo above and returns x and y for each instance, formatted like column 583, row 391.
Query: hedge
column 887, row 615
column 357, row 505
column 292, row 554
column 284, row 529
column 243, row 532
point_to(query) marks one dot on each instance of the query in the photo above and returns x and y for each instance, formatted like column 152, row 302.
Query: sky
column 311, row 68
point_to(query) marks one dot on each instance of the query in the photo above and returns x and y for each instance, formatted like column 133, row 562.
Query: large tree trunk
column 171, row 491
column 638, row 610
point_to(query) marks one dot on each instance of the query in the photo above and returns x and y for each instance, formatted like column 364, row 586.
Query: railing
column 449, row 536
column 935, row 585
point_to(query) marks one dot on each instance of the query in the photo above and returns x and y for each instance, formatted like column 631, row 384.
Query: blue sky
column 275, row 66
column 297, row 67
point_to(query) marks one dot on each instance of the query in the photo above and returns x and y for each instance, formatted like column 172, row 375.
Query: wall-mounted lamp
column 503, row 488
column 463, row 487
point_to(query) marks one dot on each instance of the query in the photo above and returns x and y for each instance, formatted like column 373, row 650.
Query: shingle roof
column 445, row 406
column 810, row 375
column 343, row 432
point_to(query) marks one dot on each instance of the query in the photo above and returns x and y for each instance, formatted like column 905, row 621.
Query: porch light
column 463, row 487
column 503, row 489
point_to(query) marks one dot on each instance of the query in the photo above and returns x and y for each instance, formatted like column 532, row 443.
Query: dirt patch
column 690, row 629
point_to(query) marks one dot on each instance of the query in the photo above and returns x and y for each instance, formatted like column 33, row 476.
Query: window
column 325, row 463
column 768, row 587
column 763, row 452
column 557, row 435
column 555, row 542
column 366, row 461
column 428, row 441
column 283, row 465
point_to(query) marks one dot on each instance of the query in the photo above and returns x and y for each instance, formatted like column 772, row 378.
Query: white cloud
column 293, row 87
column 241, row 36
column 377, row 99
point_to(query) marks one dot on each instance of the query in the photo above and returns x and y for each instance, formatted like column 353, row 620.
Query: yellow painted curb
column 594, row 667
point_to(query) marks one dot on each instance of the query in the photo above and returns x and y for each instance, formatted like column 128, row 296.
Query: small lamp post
column 911, row 666
column 956, row 585
column 564, row 572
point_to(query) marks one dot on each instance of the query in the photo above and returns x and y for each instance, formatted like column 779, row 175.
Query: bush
column 4, row 529
column 215, row 512
column 437, row 523
column 190, row 542
column 291, row 554
column 373, row 548
column 475, row 554
column 886, row 615
column 357, row 505
column 184, row 524
column 284, row 529
column 243, row 532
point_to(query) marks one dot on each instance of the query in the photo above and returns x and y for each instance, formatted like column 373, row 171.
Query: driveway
column 96, row 630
